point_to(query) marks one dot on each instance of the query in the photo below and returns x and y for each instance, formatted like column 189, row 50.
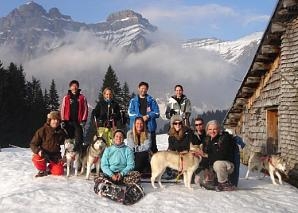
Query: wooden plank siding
column 265, row 109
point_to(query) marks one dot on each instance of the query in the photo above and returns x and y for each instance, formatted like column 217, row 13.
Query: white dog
column 92, row 155
column 186, row 163
column 72, row 157
column 272, row 163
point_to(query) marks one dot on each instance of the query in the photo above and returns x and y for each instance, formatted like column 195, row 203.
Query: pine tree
column 46, row 99
column 53, row 97
column 124, row 97
column 12, row 105
column 111, row 80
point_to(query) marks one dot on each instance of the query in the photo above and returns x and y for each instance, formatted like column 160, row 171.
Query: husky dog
column 272, row 163
column 92, row 155
column 186, row 163
column 71, row 156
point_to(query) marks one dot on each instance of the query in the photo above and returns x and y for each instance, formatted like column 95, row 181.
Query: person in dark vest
column 107, row 111
column 74, row 113
column 145, row 106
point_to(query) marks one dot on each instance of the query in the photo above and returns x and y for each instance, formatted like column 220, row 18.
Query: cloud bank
column 206, row 77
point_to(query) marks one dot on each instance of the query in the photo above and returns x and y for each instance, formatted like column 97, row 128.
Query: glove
column 63, row 125
column 83, row 124
column 172, row 112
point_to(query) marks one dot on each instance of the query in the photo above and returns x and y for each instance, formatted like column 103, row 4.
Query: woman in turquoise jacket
column 117, row 162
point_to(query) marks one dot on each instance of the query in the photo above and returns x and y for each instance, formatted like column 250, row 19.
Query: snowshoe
column 109, row 190
column 133, row 194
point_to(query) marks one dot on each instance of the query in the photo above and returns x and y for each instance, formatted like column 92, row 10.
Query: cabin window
column 272, row 131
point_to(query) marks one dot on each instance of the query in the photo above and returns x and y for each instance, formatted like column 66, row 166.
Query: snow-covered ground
column 20, row 191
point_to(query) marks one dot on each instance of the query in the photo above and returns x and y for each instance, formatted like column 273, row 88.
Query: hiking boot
column 41, row 174
column 226, row 186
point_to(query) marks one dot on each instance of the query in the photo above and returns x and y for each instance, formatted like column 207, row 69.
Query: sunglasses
column 200, row 124
column 177, row 123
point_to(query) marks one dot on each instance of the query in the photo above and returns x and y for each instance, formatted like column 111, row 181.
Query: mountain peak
column 31, row 9
column 124, row 14
column 55, row 13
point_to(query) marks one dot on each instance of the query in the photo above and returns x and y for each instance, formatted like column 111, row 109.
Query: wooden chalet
column 265, row 109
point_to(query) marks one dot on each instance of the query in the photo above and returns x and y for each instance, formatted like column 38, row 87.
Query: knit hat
column 175, row 118
column 54, row 115
column 119, row 130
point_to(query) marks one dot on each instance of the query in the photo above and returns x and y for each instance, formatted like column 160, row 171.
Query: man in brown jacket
column 45, row 145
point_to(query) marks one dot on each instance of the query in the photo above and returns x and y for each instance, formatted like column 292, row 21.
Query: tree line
column 23, row 105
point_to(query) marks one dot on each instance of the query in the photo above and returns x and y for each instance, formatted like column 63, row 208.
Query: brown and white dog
column 92, row 155
column 72, row 157
column 274, row 164
column 186, row 163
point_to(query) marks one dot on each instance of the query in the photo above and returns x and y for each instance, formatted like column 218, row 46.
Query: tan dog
column 186, row 163
column 272, row 163
column 92, row 155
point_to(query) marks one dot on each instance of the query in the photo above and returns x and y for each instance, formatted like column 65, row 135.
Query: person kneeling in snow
column 45, row 145
column 117, row 161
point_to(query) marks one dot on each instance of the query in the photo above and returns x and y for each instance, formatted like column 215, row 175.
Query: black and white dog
column 92, row 155
column 72, row 157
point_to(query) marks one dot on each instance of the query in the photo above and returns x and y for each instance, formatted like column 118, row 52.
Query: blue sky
column 225, row 19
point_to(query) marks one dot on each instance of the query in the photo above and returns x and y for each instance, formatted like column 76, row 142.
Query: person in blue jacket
column 145, row 106
column 117, row 162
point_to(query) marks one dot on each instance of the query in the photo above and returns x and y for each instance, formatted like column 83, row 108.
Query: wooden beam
column 240, row 101
column 263, row 58
column 278, row 27
column 289, row 3
column 269, row 49
column 260, row 66
column 252, row 80
column 248, row 90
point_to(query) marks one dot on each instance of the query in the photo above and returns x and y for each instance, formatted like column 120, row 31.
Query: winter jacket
column 201, row 138
column 105, row 111
column 48, row 140
column 152, row 112
column 183, row 107
column 220, row 148
column 117, row 159
column 82, row 110
column 183, row 144
column 145, row 146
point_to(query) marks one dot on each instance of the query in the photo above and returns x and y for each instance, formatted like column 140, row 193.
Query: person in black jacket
column 219, row 148
column 180, row 137
column 107, row 111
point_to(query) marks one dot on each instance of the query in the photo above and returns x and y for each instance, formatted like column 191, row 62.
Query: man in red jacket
column 74, row 113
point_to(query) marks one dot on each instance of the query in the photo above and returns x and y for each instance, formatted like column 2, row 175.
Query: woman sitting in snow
column 45, row 145
column 180, row 137
column 138, row 139
column 117, row 161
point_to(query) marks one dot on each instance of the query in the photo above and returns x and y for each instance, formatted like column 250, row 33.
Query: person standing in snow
column 179, row 104
column 139, row 140
column 45, row 145
column 106, row 116
column 74, row 113
column 220, row 150
column 145, row 106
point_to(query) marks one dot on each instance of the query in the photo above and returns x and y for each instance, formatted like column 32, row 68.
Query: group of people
column 120, row 162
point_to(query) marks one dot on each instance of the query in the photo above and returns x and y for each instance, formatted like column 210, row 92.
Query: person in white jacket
column 179, row 104
column 138, row 139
